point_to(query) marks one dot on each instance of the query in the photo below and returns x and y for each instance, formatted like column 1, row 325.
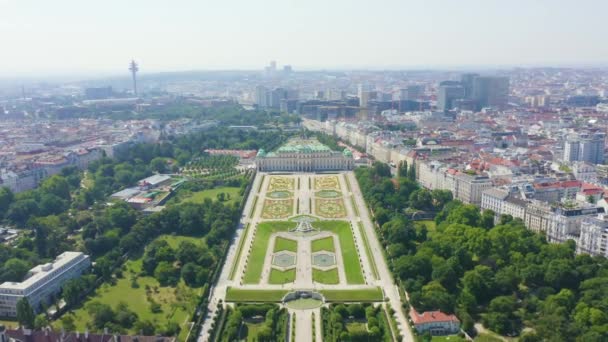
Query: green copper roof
column 303, row 146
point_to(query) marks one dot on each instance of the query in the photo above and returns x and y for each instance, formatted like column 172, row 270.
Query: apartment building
column 593, row 238
column 42, row 282
column 502, row 202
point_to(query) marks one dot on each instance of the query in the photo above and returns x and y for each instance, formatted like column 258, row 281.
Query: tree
column 158, row 164
column 6, row 198
column 67, row 322
column 145, row 328
column 421, row 199
column 411, row 172
column 166, row 274
column 189, row 272
column 15, row 269
column 25, row 313
column 487, row 219
column 402, row 170
column 41, row 322
column 56, row 185
column 441, row 198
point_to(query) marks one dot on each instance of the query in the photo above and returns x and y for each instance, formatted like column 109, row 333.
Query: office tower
column 134, row 69
column 467, row 83
column 261, row 96
column 571, row 147
column 273, row 65
column 363, row 92
column 276, row 95
column 447, row 95
column 287, row 69
column 490, row 91
column 411, row 92
column 592, row 148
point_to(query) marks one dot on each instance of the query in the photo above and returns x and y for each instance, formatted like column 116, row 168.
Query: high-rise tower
column 134, row 69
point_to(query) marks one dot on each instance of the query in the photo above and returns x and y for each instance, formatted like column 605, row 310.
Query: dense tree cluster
column 336, row 317
column 274, row 328
column 189, row 261
column 505, row 276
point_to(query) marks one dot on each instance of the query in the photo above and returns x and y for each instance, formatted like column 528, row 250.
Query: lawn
column 255, row 263
column 177, row 303
column 430, row 225
column 324, row 244
column 325, row 277
column 368, row 250
column 250, row 331
column 361, row 295
column 283, row 244
column 352, row 267
column 356, row 326
column 200, row 196
column 259, row 296
column 239, row 252
column 282, row 277
column 449, row 338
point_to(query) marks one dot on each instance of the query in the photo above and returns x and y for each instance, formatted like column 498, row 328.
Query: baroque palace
column 304, row 155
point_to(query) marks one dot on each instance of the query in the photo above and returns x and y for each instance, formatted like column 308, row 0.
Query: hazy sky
column 57, row 36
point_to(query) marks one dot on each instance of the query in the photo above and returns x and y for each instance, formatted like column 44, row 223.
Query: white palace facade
column 304, row 155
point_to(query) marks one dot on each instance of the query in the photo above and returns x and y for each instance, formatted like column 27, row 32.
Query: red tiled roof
column 431, row 317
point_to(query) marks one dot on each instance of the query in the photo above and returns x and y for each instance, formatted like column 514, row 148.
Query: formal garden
column 277, row 209
column 330, row 208
column 327, row 183
column 280, row 183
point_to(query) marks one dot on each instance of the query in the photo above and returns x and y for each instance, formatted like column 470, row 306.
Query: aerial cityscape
column 413, row 178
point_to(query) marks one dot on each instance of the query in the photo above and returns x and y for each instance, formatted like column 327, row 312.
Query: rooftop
column 41, row 271
column 431, row 317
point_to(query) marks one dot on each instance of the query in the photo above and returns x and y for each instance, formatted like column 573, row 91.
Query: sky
column 101, row 36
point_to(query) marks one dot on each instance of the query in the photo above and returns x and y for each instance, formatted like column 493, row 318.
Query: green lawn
column 177, row 303
column 250, row 331
column 430, row 225
column 324, row 244
column 282, row 277
column 491, row 337
column 283, row 244
column 356, row 326
column 175, row 240
column 449, row 338
column 352, row 267
column 239, row 251
column 255, row 262
column 368, row 250
column 362, row 295
column 239, row 295
column 199, row 196
column 325, row 277
column 354, row 204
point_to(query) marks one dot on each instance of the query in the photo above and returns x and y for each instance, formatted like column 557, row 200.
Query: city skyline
column 68, row 37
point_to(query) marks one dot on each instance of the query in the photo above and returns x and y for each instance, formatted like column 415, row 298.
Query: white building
column 42, row 282
column 501, row 202
column 584, row 171
column 594, row 236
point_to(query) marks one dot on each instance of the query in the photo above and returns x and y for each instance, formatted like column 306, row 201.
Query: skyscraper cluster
column 473, row 92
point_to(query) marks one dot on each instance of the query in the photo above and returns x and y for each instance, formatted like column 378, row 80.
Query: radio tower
column 133, row 68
